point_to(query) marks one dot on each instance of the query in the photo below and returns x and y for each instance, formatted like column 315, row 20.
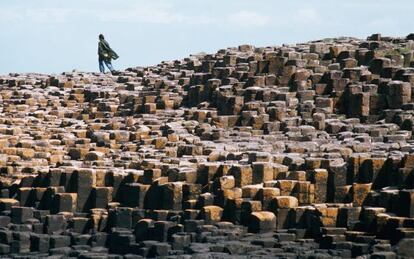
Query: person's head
column 101, row 37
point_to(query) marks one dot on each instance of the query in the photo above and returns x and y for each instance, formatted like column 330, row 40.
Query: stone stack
column 302, row 150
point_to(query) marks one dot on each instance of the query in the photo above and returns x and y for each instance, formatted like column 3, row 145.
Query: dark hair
column 101, row 36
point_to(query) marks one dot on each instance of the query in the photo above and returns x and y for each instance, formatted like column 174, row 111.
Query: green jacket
column 105, row 51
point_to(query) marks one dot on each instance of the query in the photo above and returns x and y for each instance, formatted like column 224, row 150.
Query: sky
column 54, row 36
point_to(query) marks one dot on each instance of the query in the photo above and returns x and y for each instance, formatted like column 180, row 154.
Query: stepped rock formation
column 296, row 151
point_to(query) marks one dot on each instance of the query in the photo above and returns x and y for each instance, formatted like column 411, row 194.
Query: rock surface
column 293, row 151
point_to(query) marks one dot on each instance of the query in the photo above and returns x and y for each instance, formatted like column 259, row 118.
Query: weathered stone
column 211, row 213
column 307, row 146
column 7, row 203
column 319, row 177
column 242, row 173
column 64, row 202
column 360, row 192
column 263, row 221
column 406, row 201
column 285, row 202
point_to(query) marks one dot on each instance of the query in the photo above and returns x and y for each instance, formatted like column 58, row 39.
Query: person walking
column 105, row 54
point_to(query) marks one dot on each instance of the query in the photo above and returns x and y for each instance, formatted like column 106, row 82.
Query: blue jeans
column 107, row 63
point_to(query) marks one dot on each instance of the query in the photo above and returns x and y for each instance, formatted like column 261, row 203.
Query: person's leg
column 101, row 66
column 109, row 65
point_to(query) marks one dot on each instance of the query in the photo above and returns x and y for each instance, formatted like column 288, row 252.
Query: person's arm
column 100, row 49
column 106, row 46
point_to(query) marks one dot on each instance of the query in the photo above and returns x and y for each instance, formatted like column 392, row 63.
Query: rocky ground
column 294, row 151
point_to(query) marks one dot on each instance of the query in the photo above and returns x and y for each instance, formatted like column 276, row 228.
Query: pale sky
column 54, row 36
